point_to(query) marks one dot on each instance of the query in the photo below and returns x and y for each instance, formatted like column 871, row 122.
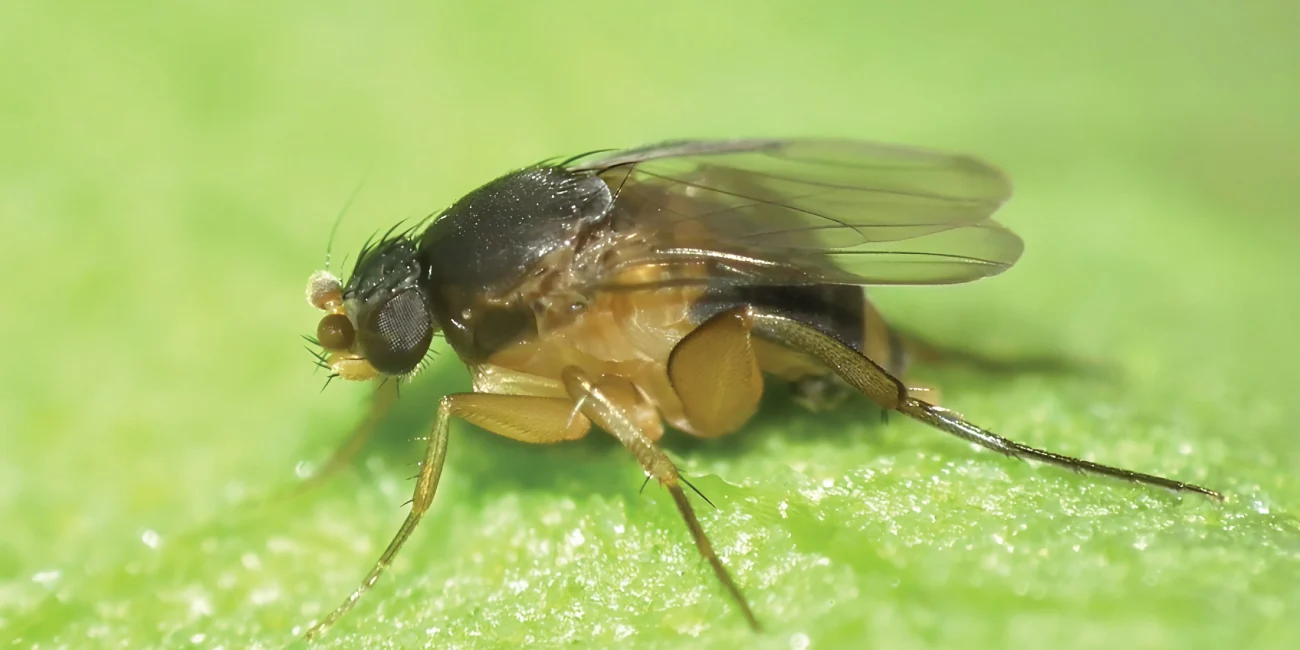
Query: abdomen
column 633, row 334
column 839, row 311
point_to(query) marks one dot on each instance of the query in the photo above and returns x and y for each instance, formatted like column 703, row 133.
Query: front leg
column 715, row 373
column 522, row 417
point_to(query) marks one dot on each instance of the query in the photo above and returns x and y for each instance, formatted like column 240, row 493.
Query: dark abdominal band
column 838, row 311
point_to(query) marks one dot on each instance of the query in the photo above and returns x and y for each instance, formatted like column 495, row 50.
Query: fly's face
column 380, row 322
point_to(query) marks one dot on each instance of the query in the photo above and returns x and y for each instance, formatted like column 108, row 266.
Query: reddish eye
column 335, row 332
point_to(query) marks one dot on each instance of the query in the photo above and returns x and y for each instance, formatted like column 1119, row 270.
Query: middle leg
column 611, row 405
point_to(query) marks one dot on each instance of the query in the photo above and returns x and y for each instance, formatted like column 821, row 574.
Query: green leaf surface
column 168, row 180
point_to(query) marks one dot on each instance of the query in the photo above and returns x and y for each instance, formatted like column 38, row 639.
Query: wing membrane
column 814, row 210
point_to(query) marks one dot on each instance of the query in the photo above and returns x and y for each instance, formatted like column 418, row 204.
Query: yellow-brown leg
column 889, row 392
column 714, row 371
column 382, row 401
column 605, row 404
column 823, row 392
column 526, row 418
column 537, row 420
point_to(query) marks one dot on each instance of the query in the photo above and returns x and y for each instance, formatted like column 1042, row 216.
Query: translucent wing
column 812, row 210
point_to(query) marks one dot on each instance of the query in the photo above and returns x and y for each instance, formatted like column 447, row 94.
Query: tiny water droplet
column 47, row 578
column 799, row 641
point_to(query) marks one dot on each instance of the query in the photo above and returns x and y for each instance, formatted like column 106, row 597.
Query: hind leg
column 891, row 393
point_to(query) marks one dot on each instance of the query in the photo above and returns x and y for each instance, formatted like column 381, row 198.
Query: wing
column 811, row 210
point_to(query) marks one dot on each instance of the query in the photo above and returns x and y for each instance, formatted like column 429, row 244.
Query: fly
column 623, row 290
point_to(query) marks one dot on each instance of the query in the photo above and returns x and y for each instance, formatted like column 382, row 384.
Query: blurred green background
column 169, row 173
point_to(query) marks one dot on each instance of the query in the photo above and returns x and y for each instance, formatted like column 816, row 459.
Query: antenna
column 329, row 245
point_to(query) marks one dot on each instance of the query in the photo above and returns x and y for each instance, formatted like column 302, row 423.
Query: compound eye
column 395, row 335
column 335, row 332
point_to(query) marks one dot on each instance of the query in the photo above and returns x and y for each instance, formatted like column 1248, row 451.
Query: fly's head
column 379, row 322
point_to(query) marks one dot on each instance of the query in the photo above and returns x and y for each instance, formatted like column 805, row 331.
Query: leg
column 600, row 403
column 872, row 380
column 537, row 420
column 526, row 418
column 384, row 398
column 715, row 373
column 827, row 391
column 924, row 392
